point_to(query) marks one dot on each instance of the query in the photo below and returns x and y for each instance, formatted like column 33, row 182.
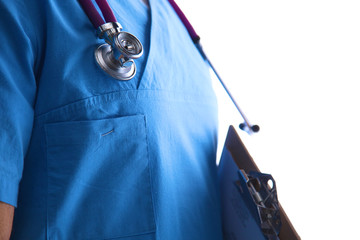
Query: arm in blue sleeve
column 17, row 97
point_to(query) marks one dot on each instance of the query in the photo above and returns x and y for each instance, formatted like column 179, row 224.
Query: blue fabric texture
column 84, row 156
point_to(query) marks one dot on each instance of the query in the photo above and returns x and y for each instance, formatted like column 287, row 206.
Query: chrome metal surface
column 261, row 199
column 116, row 57
column 129, row 45
column 108, row 31
column 124, row 71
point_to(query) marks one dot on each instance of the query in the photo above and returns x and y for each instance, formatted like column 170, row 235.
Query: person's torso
column 115, row 159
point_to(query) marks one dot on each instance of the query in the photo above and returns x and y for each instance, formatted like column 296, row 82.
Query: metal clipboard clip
column 249, row 202
column 259, row 193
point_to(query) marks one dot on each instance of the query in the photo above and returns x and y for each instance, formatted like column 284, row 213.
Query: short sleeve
column 17, row 97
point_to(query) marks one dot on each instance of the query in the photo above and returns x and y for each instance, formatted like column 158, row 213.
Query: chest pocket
column 99, row 180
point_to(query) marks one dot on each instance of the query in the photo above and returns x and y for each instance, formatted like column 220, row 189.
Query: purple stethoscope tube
column 109, row 16
column 94, row 15
column 106, row 10
column 194, row 36
column 116, row 56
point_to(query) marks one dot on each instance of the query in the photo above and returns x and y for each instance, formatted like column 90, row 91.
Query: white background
column 294, row 69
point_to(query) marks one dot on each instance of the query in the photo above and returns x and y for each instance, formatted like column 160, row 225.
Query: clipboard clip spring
column 262, row 189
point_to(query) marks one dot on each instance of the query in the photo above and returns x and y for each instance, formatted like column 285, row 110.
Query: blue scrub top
column 100, row 158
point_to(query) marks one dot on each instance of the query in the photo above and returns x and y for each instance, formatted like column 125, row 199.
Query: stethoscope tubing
column 106, row 11
column 246, row 125
column 115, row 56
column 194, row 36
column 94, row 15
column 109, row 16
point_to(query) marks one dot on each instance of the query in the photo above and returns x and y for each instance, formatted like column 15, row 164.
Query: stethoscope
column 116, row 56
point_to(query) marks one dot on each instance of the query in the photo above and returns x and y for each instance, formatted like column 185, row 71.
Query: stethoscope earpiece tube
column 92, row 13
column 194, row 36
column 245, row 126
column 116, row 56
column 106, row 10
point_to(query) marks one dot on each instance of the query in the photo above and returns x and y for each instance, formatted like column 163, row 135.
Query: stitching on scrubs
column 150, row 171
column 119, row 95
column 47, row 180
column 107, row 133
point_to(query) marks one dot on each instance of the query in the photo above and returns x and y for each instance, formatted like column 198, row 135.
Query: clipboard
column 240, row 217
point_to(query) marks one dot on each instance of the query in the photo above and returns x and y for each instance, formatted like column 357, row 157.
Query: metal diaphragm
column 128, row 45
column 119, row 70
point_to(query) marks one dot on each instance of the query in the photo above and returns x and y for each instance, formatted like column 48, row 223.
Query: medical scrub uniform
column 100, row 158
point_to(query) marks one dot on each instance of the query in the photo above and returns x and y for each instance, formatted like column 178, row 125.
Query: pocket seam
column 150, row 170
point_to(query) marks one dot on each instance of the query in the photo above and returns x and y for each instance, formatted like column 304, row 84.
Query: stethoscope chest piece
column 129, row 45
column 116, row 56
column 119, row 69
